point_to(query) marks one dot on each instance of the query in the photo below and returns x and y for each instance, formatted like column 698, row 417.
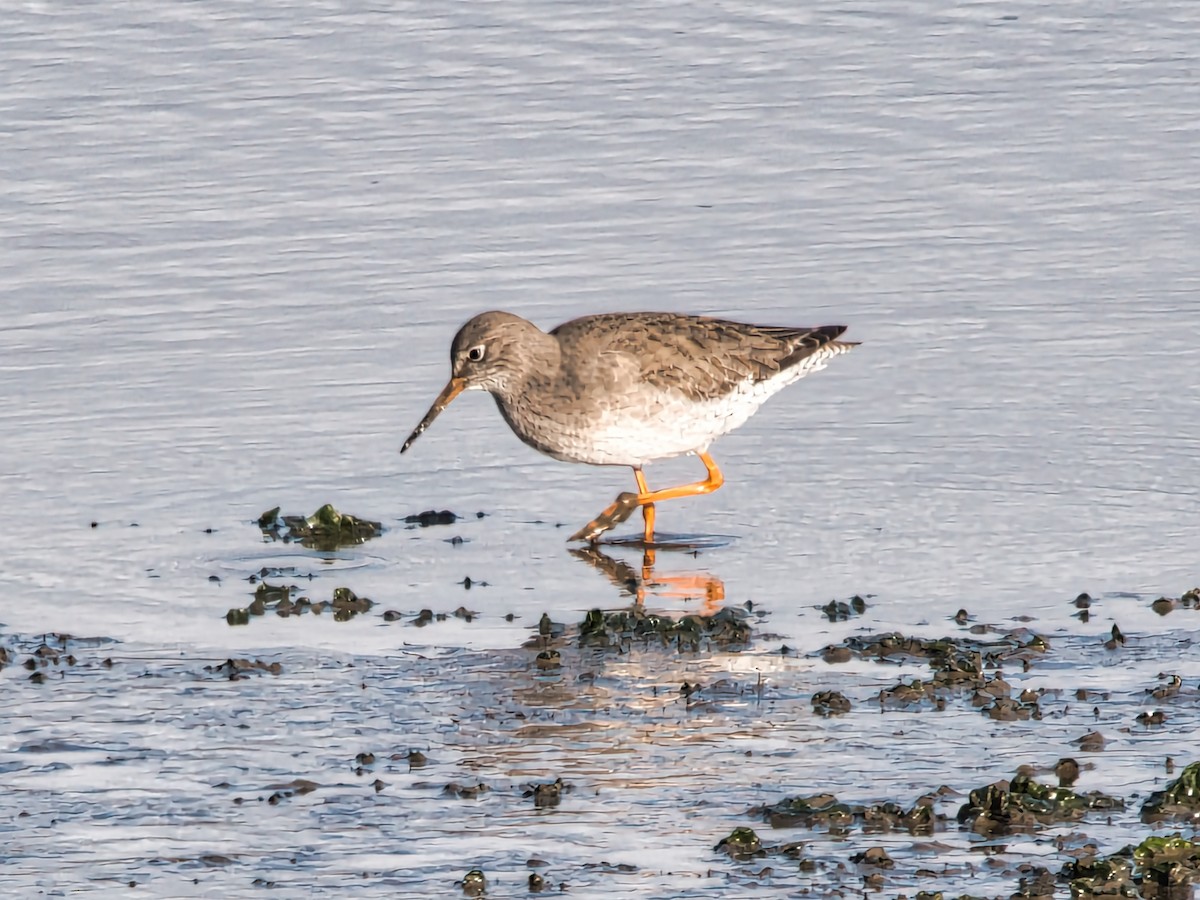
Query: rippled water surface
column 237, row 242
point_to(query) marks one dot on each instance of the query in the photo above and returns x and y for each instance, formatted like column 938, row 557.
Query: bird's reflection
column 646, row 582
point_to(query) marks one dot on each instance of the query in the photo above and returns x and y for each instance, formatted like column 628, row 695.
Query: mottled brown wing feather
column 700, row 357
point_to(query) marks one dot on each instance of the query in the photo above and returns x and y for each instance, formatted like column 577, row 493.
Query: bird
column 626, row 389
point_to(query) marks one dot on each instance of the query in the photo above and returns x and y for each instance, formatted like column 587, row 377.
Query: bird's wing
column 700, row 357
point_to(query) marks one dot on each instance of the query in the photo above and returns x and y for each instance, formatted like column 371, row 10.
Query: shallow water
column 238, row 240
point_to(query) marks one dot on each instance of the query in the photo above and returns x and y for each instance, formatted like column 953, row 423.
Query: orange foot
column 622, row 508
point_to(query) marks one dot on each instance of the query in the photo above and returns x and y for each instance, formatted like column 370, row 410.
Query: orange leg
column 714, row 480
column 647, row 508
column 621, row 508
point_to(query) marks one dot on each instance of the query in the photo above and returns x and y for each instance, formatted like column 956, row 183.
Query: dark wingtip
column 831, row 332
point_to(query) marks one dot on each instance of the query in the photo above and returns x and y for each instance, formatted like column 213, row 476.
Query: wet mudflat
column 679, row 746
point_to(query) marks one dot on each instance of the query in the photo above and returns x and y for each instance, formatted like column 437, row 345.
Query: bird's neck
column 541, row 362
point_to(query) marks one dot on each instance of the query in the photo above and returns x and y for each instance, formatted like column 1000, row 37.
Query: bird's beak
column 453, row 388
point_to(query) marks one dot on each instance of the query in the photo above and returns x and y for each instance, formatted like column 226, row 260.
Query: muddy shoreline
column 630, row 749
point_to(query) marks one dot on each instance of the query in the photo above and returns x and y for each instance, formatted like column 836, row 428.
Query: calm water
column 238, row 239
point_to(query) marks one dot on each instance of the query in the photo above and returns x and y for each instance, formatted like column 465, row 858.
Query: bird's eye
column 475, row 354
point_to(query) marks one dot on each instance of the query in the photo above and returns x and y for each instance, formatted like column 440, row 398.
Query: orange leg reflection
column 703, row 586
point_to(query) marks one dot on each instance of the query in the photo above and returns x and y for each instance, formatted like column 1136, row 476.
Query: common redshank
column 625, row 389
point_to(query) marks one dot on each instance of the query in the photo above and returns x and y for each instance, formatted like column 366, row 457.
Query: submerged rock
column 474, row 884
column 432, row 517
column 1067, row 771
column 240, row 669
column 889, row 816
column 841, row 610
column 874, row 856
column 465, row 791
column 742, row 843
column 546, row 796
column 830, row 703
column 1187, row 600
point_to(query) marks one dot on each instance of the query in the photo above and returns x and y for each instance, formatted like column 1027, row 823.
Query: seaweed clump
column 1159, row 868
column 950, row 653
column 1180, row 800
column 1024, row 804
column 826, row 811
column 344, row 604
column 961, row 665
column 1169, row 865
column 325, row 530
column 724, row 630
